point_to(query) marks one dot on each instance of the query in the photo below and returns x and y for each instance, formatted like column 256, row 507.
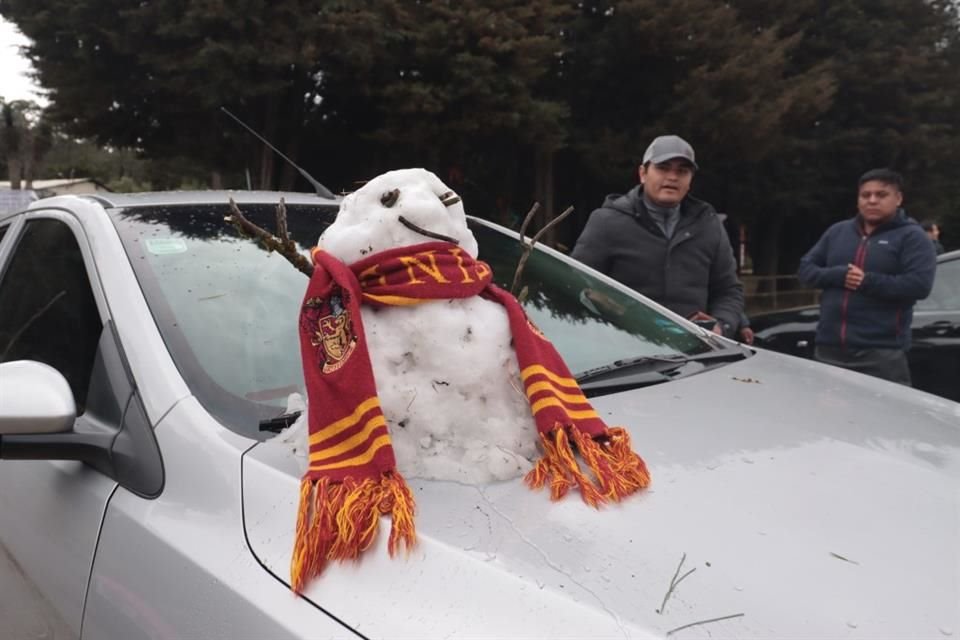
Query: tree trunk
column 289, row 175
column 543, row 192
column 28, row 165
column 765, row 246
column 15, row 172
column 267, row 158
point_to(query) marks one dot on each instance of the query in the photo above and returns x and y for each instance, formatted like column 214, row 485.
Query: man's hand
column 700, row 315
column 854, row 277
column 746, row 335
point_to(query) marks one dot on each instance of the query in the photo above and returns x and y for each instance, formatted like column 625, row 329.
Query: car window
column 945, row 295
column 47, row 309
column 228, row 310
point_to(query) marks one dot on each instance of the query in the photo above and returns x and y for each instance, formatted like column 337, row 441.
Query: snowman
column 445, row 370
column 416, row 365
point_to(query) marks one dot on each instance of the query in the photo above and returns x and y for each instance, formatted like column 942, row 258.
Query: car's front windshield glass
column 228, row 310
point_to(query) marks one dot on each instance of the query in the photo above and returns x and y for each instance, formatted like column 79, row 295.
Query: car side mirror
column 39, row 421
column 34, row 398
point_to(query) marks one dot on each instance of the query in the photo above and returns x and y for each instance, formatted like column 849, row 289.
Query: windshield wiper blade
column 663, row 364
column 281, row 422
column 660, row 364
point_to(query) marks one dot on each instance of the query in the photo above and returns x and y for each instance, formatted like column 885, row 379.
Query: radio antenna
column 321, row 190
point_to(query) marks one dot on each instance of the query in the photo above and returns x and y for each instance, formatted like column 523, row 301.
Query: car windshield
column 945, row 295
column 228, row 310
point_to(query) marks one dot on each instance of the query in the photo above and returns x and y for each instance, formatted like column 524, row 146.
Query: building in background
column 61, row 186
column 15, row 199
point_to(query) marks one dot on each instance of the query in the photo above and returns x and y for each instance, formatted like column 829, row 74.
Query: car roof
column 949, row 255
column 173, row 198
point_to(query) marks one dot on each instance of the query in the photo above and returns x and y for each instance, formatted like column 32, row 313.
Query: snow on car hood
column 807, row 501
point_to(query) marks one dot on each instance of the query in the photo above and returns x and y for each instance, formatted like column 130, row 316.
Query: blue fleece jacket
column 899, row 264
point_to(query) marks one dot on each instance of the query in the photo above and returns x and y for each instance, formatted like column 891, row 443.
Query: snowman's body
column 445, row 370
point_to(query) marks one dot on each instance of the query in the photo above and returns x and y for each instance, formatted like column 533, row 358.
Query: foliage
column 25, row 135
column 786, row 101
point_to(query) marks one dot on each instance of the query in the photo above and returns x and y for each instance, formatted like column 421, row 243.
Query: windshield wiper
column 638, row 364
column 281, row 422
column 664, row 365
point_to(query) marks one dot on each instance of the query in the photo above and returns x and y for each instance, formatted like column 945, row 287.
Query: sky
column 14, row 82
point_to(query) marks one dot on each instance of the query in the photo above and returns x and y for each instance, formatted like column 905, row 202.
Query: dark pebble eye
column 389, row 198
column 449, row 198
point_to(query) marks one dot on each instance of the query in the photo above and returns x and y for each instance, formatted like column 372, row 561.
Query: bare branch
column 528, row 247
column 550, row 224
column 528, row 220
column 282, row 232
column 267, row 240
column 699, row 622
column 673, row 583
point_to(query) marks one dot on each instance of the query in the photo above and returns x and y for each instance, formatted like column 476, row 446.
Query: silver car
column 148, row 353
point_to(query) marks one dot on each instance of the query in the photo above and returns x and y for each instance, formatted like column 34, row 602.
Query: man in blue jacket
column 872, row 269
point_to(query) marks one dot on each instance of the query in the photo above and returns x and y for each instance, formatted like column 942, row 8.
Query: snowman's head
column 369, row 220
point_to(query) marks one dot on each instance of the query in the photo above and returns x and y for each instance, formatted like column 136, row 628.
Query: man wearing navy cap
column 666, row 244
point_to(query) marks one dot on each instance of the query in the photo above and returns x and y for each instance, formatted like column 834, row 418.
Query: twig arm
column 550, row 224
column 528, row 220
column 269, row 241
column 282, row 232
column 528, row 247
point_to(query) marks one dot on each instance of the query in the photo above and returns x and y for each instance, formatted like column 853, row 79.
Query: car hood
column 788, row 498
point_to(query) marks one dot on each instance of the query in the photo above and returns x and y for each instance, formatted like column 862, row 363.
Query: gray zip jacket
column 692, row 271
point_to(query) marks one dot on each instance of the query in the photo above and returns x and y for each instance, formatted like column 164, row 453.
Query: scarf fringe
column 617, row 470
column 339, row 521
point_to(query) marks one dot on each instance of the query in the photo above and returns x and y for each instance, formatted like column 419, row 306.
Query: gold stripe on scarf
column 351, row 442
column 397, row 301
column 332, row 429
column 540, row 405
column 545, row 385
column 534, row 369
column 356, row 461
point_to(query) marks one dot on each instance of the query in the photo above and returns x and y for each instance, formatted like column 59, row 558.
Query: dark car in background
column 935, row 353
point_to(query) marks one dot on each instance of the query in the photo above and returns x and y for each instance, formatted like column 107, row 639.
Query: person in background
column 872, row 268
column 744, row 332
column 933, row 232
column 666, row 244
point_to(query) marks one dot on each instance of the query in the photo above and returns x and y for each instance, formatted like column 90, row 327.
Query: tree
column 154, row 75
column 895, row 70
column 459, row 87
column 693, row 67
column 25, row 135
column 422, row 83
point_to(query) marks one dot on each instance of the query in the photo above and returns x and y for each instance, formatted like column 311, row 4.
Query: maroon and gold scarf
column 352, row 477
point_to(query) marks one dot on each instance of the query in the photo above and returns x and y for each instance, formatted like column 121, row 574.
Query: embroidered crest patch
column 331, row 330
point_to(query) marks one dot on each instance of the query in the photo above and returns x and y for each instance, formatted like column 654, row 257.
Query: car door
column 935, row 355
column 51, row 311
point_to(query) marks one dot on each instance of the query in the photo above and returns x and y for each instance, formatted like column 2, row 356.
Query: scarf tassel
column 338, row 521
column 617, row 470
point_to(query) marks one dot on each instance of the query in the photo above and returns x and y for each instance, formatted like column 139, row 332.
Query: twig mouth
column 426, row 232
